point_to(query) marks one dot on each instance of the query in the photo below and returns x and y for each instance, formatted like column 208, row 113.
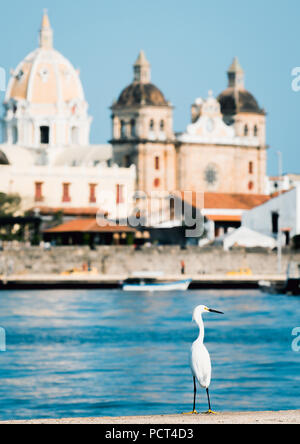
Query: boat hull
column 167, row 286
column 291, row 286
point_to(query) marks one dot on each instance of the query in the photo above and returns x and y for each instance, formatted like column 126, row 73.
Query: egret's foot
column 210, row 412
column 194, row 412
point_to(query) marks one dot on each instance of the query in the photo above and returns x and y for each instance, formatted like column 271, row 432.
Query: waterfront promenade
column 123, row 260
column 284, row 417
column 41, row 281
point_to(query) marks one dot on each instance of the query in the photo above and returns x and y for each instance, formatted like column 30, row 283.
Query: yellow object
column 80, row 272
column 241, row 272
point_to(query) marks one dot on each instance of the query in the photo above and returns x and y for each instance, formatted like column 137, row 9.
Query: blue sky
column 190, row 45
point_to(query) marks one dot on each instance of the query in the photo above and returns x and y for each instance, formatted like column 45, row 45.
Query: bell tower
column 240, row 109
column 142, row 126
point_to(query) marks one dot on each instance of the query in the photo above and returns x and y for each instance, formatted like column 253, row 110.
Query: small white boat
column 151, row 285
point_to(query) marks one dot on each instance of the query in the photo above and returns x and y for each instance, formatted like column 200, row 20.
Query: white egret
column 200, row 359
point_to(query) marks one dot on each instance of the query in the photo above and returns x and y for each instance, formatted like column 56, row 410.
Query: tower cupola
column 46, row 33
column 142, row 69
column 236, row 75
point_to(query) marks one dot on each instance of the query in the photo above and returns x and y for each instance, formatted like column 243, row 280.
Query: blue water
column 103, row 353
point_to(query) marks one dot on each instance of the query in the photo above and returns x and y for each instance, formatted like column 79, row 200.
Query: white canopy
column 244, row 237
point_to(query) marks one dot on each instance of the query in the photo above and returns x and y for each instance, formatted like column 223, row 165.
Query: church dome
column 44, row 103
column 234, row 101
column 141, row 94
column 45, row 76
column 141, row 91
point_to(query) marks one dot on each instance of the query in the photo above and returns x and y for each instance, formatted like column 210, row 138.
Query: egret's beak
column 215, row 311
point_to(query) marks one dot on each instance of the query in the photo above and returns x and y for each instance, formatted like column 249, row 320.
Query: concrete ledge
column 286, row 417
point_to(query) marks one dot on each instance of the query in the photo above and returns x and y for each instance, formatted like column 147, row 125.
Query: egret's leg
column 209, row 404
column 195, row 395
column 194, row 412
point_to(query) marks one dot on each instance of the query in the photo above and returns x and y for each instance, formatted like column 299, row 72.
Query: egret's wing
column 201, row 365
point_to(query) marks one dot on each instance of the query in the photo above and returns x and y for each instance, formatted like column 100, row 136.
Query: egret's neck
column 200, row 324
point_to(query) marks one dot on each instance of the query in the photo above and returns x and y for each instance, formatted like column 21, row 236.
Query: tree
column 9, row 204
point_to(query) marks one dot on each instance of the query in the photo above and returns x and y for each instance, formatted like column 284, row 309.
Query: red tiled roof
column 225, row 201
column 89, row 226
column 279, row 193
column 234, row 201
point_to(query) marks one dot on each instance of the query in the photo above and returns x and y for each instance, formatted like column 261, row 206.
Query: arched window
column 45, row 135
column 251, row 168
column 133, row 128
column 15, row 135
column 75, row 135
column 120, row 194
column 157, row 163
column 123, row 129
column 156, row 183
column 162, row 133
column 93, row 194
column 38, row 197
column 66, row 197
column 151, row 130
column 127, row 161
column 255, row 131
column 246, row 131
column 250, row 186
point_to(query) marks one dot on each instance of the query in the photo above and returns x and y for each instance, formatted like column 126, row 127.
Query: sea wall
column 124, row 260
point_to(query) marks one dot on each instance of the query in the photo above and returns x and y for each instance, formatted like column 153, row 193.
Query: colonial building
column 46, row 156
column 223, row 150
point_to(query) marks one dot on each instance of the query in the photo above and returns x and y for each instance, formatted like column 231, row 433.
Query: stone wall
column 123, row 260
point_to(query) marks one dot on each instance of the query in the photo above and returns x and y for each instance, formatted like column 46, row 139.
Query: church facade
column 223, row 150
column 46, row 156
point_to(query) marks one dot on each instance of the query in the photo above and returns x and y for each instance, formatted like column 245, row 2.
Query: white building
column 46, row 156
column 283, row 183
column 278, row 213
